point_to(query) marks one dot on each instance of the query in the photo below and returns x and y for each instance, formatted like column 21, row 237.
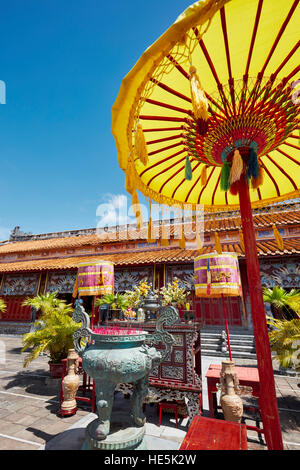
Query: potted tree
column 53, row 331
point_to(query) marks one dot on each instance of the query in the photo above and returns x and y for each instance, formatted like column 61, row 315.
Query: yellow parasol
column 209, row 115
column 247, row 60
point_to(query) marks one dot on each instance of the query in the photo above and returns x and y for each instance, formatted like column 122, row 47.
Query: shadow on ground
column 36, row 382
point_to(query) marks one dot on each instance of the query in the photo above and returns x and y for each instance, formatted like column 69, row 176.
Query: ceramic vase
column 70, row 384
column 230, row 401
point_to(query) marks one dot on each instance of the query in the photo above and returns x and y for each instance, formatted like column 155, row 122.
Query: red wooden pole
column 93, row 312
column 268, row 400
column 226, row 325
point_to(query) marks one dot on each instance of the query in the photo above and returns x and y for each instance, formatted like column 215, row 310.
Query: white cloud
column 113, row 211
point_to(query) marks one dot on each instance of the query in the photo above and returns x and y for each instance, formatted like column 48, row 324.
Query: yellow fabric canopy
column 247, row 59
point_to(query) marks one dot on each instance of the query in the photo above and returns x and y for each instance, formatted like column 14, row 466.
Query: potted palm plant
column 285, row 326
column 283, row 304
column 117, row 304
column 53, row 331
column 285, row 342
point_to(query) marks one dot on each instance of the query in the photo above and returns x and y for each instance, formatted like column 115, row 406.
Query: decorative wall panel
column 127, row 278
column 61, row 282
column 184, row 273
column 282, row 273
column 20, row 284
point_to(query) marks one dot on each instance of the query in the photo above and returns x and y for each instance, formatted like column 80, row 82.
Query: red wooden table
column 215, row 434
column 247, row 376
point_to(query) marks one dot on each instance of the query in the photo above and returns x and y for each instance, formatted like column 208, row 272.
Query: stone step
column 14, row 328
column 242, row 343
column 232, row 341
column 235, row 354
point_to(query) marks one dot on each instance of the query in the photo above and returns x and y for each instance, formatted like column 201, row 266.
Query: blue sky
column 62, row 62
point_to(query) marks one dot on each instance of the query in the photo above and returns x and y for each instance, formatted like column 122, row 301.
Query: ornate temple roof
column 65, row 252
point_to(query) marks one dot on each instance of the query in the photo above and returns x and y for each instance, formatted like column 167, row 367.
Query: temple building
column 32, row 264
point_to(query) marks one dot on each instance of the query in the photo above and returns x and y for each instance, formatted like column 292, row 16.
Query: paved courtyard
column 29, row 402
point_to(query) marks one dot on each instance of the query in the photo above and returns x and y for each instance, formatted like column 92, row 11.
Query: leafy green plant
column 285, row 341
column 53, row 331
column 117, row 301
column 2, row 306
column 284, row 304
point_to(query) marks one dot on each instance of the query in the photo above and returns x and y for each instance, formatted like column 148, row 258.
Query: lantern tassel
column 236, row 167
column 199, row 100
column 278, row 238
column 208, row 287
column 140, row 146
column 188, row 169
column 225, row 173
column 218, row 244
column 75, row 288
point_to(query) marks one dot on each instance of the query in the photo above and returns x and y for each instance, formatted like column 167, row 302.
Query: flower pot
column 56, row 370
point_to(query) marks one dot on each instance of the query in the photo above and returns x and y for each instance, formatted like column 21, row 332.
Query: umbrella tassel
column 225, row 173
column 278, row 238
column 199, row 101
column 204, row 176
column 218, row 244
column 242, row 244
column 164, row 239
column 137, row 210
column 258, row 181
column 252, row 164
column 236, row 167
column 150, row 231
column 129, row 182
column 199, row 242
column 182, row 239
column 188, row 169
column 140, row 146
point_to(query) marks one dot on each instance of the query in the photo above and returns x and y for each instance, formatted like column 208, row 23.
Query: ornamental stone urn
column 231, row 402
column 70, row 385
column 120, row 357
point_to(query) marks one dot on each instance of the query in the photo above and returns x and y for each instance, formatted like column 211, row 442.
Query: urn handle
column 80, row 315
column 167, row 316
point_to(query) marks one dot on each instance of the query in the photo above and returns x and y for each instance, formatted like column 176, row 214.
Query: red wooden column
column 268, row 400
